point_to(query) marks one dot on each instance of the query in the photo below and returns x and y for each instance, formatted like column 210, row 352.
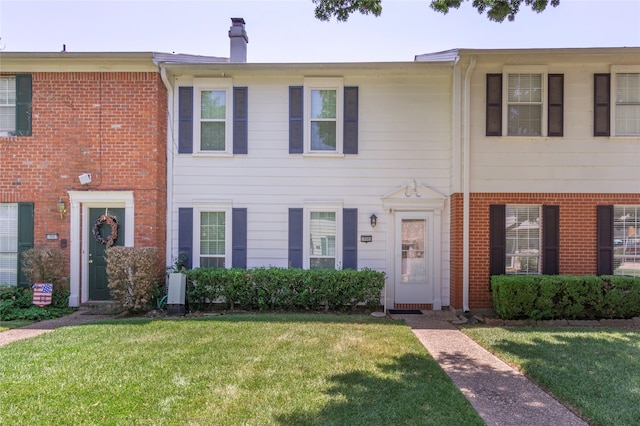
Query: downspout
column 169, row 208
column 466, row 154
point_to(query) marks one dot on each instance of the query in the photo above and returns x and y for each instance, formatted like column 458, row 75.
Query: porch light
column 61, row 208
column 374, row 220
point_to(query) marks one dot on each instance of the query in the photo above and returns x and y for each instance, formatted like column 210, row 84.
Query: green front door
column 101, row 232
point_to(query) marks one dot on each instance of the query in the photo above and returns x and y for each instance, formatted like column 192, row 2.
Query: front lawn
column 595, row 370
column 258, row 369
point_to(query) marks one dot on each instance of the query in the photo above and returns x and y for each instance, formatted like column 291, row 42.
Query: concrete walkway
column 499, row 393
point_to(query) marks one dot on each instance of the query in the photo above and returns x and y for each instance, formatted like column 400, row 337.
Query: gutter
column 466, row 154
column 169, row 154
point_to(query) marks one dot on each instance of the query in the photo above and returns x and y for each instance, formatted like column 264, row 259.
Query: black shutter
column 555, row 123
column 185, row 120
column 497, row 239
column 25, row 237
column 601, row 104
column 23, row 104
column 350, row 120
column 240, row 122
column 494, row 105
column 295, row 237
column 185, row 235
column 605, row 240
column 350, row 239
column 296, row 120
column 551, row 240
column 239, row 238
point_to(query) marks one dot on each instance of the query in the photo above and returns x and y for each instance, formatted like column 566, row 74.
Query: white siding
column 578, row 162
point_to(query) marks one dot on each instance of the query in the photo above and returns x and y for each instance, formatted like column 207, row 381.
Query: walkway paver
column 498, row 392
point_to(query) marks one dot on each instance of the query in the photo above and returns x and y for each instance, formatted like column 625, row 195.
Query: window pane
column 627, row 104
column 212, row 262
column 323, row 104
column 322, row 244
column 628, row 88
column 212, row 233
column 525, row 88
column 627, row 120
column 8, row 244
column 7, row 104
column 525, row 120
column 626, row 240
column 213, row 104
column 523, row 239
column 212, row 136
column 323, row 135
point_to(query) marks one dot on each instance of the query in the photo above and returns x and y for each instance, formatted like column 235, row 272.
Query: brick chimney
column 239, row 40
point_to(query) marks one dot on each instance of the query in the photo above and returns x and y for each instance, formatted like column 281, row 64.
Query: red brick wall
column 109, row 124
column 578, row 218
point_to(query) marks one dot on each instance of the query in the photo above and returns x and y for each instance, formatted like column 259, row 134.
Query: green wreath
column 110, row 220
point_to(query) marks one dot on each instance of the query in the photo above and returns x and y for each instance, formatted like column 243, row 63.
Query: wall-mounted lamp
column 61, row 208
column 374, row 220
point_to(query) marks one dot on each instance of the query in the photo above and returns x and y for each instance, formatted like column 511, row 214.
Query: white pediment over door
column 413, row 196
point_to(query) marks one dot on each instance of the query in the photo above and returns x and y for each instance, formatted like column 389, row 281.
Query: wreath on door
column 112, row 221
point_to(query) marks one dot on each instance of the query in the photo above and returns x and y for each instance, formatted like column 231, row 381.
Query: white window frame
column 515, row 256
column 10, row 231
column 217, row 84
column 525, row 69
column 626, row 245
column 316, row 83
column 206, row 207
column 11, row 79
column 321, row 206
column 615, row 70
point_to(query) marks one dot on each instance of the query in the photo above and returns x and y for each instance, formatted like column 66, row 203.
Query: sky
column 287, row 31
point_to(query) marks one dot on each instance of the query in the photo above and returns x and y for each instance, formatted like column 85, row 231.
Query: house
column 82, row 146
column 343, row 165
column 546, row 165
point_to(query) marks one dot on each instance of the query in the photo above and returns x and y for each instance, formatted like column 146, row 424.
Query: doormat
column 405, row 312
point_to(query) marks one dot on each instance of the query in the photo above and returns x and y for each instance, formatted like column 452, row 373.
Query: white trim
column 217, row 84
column 334, row 206
column 203, row 206
column 316, row 83
column 80, row 203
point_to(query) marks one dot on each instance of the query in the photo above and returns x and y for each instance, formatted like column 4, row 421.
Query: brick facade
column 109, row 124
column 578, row 234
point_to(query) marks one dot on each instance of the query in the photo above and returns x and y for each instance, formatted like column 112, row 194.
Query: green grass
column 8, row 325
column 594, row 370
column 260, row 369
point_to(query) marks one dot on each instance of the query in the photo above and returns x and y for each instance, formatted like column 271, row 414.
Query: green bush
column 16, row 303
column 564, row 296
column 134, row 277
column 284, row 288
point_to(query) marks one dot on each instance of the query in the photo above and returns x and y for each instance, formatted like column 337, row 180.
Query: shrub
column 16, row 303
column 134, row 275
column 284, row 288
column 563, row 296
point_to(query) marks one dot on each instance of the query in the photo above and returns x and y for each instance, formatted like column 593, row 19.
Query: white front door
column 414, row 258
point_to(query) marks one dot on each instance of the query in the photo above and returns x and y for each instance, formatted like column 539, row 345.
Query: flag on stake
column 42, row 294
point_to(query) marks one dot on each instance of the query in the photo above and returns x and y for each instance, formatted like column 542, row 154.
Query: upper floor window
column 627, row 110
column 534, row 101
column 212, row 118
column 323, row 117
column 15, row 105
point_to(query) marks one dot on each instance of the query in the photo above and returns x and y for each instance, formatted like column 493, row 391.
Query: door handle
column 90, row 260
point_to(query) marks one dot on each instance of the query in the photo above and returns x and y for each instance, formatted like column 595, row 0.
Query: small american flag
column 42, row 294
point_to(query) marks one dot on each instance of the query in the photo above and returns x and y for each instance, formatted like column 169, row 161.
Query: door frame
column 80, row 203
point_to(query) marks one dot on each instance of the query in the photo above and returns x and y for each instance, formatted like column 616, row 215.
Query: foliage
column 134, row 275
column 44, row 265
column 497, row 10
column 563, row 296
column 16, row 304
column 596, row 371
column 241, row 369
column 281, row 288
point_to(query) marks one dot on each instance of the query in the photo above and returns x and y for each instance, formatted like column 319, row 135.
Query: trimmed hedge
column 565, row 296
column 284, row 289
